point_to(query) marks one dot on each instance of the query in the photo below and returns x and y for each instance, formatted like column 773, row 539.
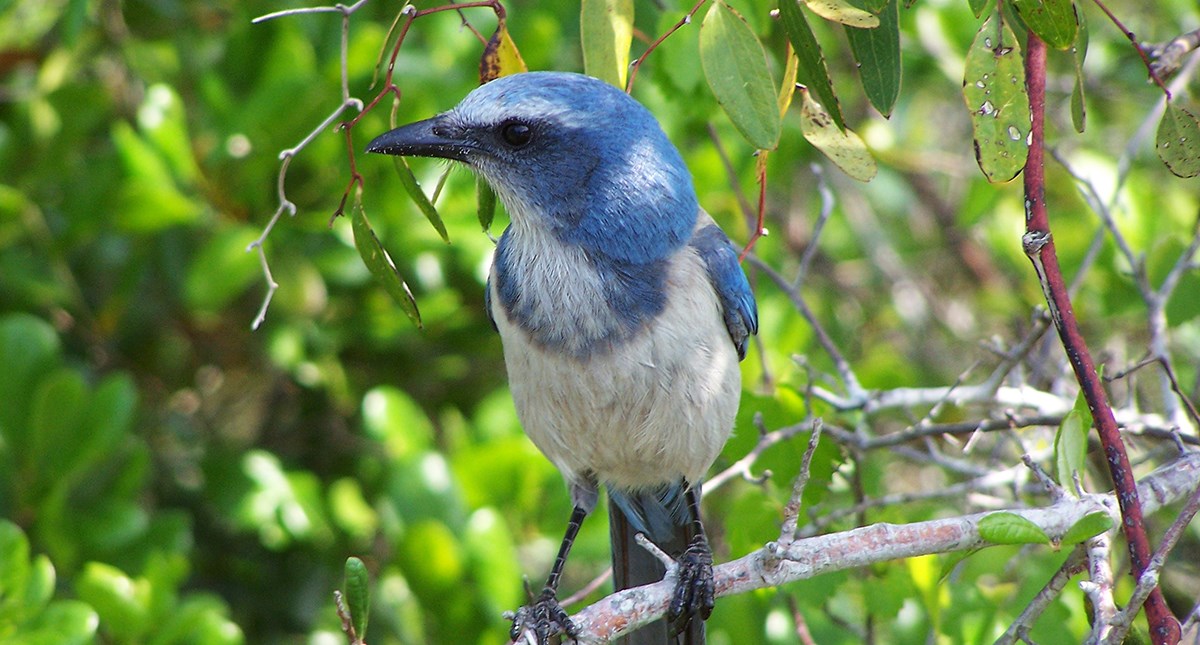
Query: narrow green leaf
column 1054, row 21
column 1009, row 528
column 842, row 11
column 877, row 54
column 605, row 33
column 358, row 595
column 1178, row 141
column 485, row 197
column 812, row 73
column 1078, row 53
column 736, row 68
column 409, row 181
column 951, row 560
column 1087, row 527
column 994, row 89
column 381, row 265
column 1070, row 448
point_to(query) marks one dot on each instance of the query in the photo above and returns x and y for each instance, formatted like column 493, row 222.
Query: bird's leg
column 545, row 617
column 694, row 588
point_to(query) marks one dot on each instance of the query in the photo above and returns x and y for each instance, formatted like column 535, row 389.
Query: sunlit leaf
column 787, row 89
column 843, row 147
column 1070, row 448
column 500, row 56
column 844, row 12
column 1009, row 528
column 1087, row 527
column 357, row 584
column 877, row 54
column 1054, row 21
column 812, row 73
column 736, row 68
column 994, row 90
column 418, row 196
column 605, row 33
column 1178, row 141
column 381, row 265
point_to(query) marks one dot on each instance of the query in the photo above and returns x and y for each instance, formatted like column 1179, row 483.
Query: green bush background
column 168, row 475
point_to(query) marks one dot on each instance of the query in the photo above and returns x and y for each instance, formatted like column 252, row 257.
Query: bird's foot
column 694, row 588
column 541, row 620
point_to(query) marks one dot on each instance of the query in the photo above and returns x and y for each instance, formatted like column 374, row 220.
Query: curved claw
column 544, row 618
column 695, row 592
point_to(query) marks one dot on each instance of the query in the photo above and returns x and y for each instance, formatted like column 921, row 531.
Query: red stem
column 1039, row 246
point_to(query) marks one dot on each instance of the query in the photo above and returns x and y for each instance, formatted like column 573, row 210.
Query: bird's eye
column 515, row 133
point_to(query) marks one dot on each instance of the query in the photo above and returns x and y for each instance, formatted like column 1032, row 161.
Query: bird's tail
column 634, row 566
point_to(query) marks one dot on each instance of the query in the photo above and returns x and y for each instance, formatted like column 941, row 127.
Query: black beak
column 434, row 137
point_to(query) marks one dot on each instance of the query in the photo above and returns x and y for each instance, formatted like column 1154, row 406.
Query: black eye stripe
column 515, row 133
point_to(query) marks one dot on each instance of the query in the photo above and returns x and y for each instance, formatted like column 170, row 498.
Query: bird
column 623, row 312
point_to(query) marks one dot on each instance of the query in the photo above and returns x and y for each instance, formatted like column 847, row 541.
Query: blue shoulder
column 737, row 300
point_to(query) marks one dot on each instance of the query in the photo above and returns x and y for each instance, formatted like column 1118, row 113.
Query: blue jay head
column 568, row 153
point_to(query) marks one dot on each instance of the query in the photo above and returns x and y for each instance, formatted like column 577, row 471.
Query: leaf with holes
column 843, row 12
column 1009, row 528
column 843, row 147
column 380, row 264
column 877, row 54
column 812, row 73
column 500, row 56
column 1178, row 141
column 605, row 32
column 1054, row 21
column 736, row 68
column 994, row 89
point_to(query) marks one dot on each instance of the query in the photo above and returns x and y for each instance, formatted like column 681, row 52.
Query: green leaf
column 874, row 6
column 380, row 264
column 28, row 349
column 843, row 147
column 485, row 197
column 736, row 68
column 1078, row 53
column 1178, row 141
column 1054, row 21
column 951, row 560
column 994, row 90
column 844, row 12
column 812, row 73
column 121, row 601
column 1009, row 528
column 221, row 270
column 358, row 595
column 409, row 181
column 1087, row 527
column 605, row 33
column 977, row 6
column 877, row 53
column 1070, row 448
column 493, row 558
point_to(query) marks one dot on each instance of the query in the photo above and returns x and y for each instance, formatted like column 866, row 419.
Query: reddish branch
column 1039, row 246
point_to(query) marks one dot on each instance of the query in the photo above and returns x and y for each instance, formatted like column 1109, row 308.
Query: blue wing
column 737, row 300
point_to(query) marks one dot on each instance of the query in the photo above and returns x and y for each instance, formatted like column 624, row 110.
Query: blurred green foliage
column 169, row 476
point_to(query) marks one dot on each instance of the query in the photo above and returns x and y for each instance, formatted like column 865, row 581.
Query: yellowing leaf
column 994, row 89
column 843, row 12
column 843, row 147
column 736, row 68
column 787, row 89
column 500, row 56
column 605, row 32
